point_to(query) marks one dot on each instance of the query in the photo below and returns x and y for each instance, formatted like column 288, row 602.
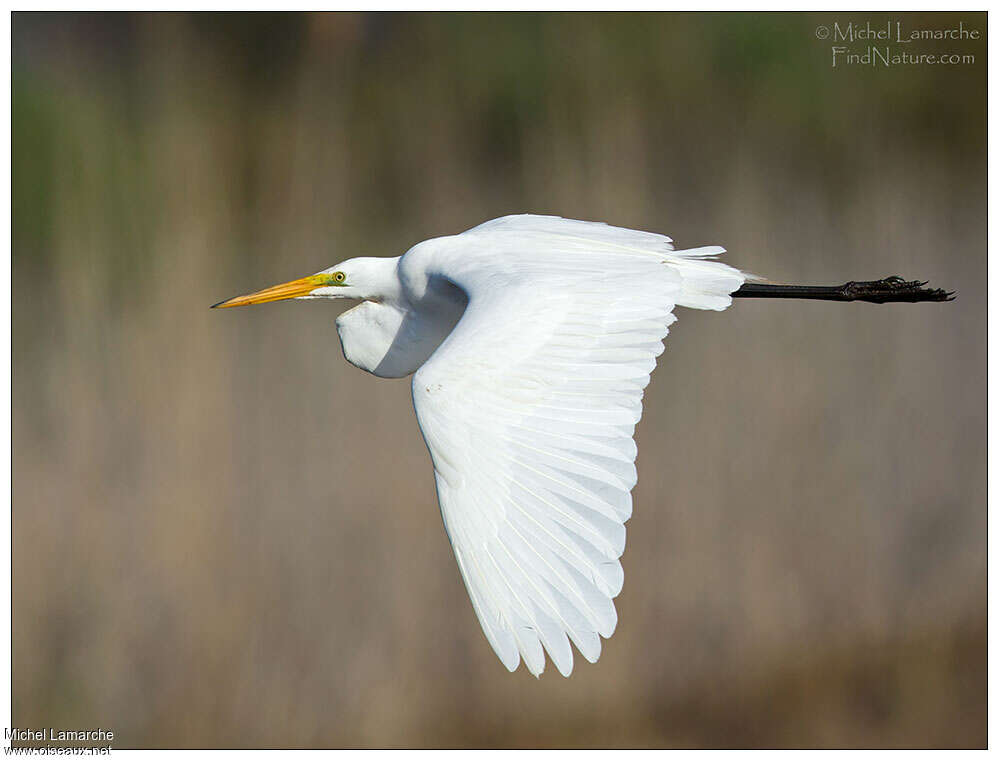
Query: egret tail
column 886, row 290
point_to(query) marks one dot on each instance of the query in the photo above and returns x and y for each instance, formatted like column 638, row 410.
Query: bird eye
column 339, row 277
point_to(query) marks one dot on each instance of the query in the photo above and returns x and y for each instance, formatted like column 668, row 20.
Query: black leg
column 889, row 289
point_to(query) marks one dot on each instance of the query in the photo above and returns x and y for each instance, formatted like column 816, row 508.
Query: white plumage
column 529, row 407
column 532, row 339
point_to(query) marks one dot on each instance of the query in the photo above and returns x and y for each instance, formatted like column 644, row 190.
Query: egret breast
column 390, row 341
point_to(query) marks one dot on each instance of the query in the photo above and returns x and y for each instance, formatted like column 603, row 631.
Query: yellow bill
column 290, row 290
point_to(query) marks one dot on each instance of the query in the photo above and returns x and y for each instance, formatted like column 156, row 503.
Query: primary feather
column 528, row 407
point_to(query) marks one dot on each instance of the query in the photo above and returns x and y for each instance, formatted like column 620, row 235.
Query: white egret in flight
column 532, row 339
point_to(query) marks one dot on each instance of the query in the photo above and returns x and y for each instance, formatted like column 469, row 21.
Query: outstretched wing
column 529, row 408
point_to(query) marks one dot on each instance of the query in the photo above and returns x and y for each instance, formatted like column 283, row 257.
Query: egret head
column 361, row 278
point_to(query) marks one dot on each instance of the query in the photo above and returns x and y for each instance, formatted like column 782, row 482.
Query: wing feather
column 529, row 407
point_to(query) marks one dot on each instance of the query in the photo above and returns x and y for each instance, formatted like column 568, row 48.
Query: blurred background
column 225, row 535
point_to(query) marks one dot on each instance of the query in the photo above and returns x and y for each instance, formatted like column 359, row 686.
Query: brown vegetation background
column 225, row 535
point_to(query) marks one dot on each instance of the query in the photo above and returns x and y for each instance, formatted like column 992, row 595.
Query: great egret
column 532, row 339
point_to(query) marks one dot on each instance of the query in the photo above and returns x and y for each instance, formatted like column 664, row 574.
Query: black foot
column 891, row 289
